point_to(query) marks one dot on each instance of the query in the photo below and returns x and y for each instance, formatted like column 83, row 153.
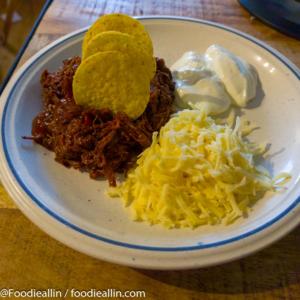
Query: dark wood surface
column 31, row 259
column 16, row 20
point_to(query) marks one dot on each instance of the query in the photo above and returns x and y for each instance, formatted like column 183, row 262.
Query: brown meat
column 95, row 140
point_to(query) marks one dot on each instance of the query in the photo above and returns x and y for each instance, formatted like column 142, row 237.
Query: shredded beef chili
column 96, row 140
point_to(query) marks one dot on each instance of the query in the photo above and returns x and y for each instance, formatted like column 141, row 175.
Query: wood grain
column 13, row 32
column 31, row 259
column 68, row 15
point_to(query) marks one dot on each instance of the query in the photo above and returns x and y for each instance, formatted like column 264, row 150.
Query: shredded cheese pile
column 195, row 172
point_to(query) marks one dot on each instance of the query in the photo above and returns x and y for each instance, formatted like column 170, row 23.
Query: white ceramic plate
column 73, row 208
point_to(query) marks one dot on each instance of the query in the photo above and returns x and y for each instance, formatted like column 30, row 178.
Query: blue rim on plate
column 123, row 244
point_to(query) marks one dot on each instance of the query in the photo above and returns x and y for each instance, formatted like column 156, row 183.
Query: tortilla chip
column 123, row 42
column 121, row 23
column 112, row 79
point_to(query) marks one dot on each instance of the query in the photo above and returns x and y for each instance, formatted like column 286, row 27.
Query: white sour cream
column 190, row 68
column 212, row 81
column 206, row 94
column 239, row 78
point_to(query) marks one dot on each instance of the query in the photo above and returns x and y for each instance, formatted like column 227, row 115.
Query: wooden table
column 31, row 259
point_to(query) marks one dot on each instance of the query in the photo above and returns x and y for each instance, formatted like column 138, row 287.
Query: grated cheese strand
column 196, row 172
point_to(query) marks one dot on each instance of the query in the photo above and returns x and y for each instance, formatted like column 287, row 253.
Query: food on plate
column 117, row 66
column 214, row 80
column 99, row 113
column 109, row 79
column 109, row 113
column 207, row 94
column 195, row 172
column 121, row 23
column 123, row 42
column 239, row 77
column 96, row 140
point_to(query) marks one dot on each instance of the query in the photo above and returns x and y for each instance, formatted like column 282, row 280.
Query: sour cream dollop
column 213, row 81
column 239, row 78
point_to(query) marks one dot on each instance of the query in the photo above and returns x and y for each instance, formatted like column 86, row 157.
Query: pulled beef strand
column 95, row 140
